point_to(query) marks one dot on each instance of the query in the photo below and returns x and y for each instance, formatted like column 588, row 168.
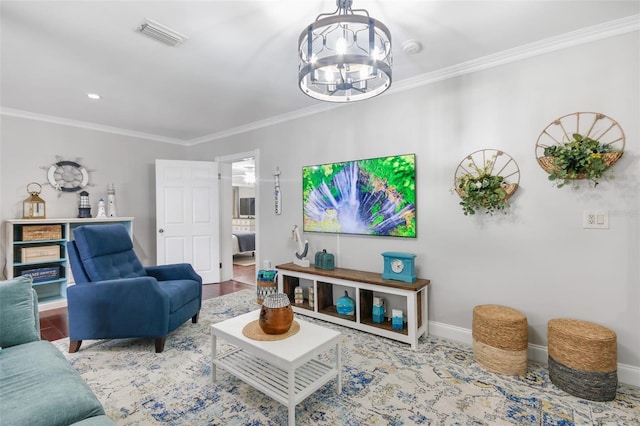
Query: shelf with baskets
column 39, row 248
column 328, row 286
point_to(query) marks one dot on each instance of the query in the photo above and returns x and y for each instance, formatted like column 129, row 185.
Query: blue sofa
column 115, row 297
column 38, row 386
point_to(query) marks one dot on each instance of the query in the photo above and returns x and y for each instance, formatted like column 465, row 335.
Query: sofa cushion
column 107, row 252
column 18, row 323
column 96, row 421
column 180, row 292
column 38, row 387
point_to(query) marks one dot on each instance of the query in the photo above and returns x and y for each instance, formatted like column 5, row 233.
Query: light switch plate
column 595, row 219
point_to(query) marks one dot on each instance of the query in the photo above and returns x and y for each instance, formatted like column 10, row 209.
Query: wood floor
column 54, row 323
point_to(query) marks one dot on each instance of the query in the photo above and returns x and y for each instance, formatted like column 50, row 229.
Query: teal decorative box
column 324, row 260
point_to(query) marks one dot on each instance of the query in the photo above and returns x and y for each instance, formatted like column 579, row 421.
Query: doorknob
column 161, row 230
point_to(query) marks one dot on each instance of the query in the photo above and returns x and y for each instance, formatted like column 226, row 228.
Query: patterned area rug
column 384, row 383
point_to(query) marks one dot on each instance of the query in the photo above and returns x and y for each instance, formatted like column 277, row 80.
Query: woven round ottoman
column 500, row 338
column 583, row 358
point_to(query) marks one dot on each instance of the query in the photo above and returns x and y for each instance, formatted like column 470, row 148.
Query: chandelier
column 344, row 56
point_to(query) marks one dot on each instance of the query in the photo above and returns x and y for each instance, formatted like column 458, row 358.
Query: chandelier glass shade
column 344, row 56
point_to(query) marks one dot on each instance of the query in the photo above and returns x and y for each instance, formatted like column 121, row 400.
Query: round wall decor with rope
column 581, row 145
column 485, row 180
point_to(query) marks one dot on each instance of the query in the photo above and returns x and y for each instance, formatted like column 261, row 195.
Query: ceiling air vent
column 161, row 33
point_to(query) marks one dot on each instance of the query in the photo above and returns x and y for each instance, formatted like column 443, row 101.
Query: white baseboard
column 628, row 374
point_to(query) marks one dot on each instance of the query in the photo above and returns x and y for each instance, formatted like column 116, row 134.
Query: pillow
column 17, row 319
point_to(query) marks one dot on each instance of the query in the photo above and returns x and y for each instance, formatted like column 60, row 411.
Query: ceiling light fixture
column 161, row 33
column 250, row 175
column 93, row 96
column 344, row 56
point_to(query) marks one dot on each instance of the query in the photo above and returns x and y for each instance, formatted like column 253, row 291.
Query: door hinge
column 219, row 176
column 220, row 265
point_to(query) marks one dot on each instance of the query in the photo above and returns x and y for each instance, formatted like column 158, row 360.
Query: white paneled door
column 187, row 216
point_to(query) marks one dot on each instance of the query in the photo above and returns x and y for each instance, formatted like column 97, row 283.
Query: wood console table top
column 355, row 275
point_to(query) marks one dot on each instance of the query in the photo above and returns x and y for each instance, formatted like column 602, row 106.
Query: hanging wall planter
column 582, row 145
column 485, row 180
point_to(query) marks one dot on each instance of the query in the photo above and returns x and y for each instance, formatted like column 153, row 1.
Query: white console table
column 329, row 285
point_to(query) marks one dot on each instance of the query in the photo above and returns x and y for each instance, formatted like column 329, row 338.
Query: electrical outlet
column 595, row 219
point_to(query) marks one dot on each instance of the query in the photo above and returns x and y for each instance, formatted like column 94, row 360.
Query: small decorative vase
column 346, row 305
column 397, row 322
column 378, row 310
column 311, row 297
column 276, row 314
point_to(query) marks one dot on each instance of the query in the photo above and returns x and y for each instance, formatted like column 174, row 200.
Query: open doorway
column 239, row 214
column 243, row 219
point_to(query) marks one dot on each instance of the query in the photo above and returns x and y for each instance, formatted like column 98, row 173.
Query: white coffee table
column 287, row 370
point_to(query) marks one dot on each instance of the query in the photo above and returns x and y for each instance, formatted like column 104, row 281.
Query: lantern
column 84, row 208
column 34, row 207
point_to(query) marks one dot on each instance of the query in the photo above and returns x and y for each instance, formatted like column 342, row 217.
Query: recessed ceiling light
column 93, row 96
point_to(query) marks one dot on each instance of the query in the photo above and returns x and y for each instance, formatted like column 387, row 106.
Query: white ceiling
column 239, row 66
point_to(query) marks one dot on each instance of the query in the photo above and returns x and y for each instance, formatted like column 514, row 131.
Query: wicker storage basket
column 266, row 284
column 583, row 358
column 41, row 232
column 500, row 339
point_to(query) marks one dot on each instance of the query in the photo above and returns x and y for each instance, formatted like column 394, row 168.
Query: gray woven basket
column 584, row 384
column 583, row 358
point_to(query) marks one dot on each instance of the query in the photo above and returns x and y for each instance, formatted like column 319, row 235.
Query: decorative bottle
column 378, row 310
column 311, row 297
column 346, row 305
column 111, row 201
column 397, row 322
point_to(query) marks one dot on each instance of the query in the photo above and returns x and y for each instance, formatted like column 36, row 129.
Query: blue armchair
column 115, row 297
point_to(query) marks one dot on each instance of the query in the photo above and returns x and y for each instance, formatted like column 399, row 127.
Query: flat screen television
column 247, row 206
column 375, row 196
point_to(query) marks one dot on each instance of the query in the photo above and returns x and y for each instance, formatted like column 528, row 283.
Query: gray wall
column 29, row 147
column 538, row 258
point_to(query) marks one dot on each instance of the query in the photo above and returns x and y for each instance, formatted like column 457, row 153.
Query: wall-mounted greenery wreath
column 582, row 145
column 485, row 180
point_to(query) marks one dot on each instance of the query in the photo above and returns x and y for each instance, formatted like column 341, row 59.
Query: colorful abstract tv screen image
column 375, row 196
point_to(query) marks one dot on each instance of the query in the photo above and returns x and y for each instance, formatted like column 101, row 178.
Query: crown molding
column 87, row 125
column 552, row 44
column 541, row 47
column 293, row 115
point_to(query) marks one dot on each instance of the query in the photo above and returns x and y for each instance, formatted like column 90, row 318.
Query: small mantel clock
column 399, row 266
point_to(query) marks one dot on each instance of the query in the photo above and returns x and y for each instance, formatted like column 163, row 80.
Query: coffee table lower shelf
column 287, row 370
column 274, row 381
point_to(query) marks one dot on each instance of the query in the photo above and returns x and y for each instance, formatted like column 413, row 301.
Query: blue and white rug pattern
column 384, row 383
